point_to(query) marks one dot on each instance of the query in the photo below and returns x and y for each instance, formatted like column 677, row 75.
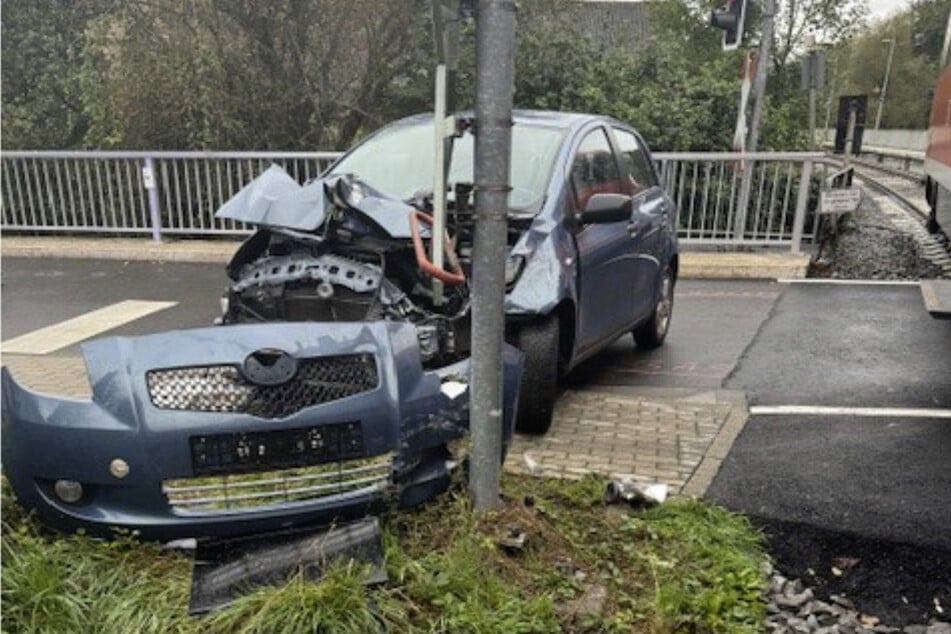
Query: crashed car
column 336, row 384
column 592, row 241
column 337, row 380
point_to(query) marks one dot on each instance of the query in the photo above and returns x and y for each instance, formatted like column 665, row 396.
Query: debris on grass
column 584, row 566
column 634, row 493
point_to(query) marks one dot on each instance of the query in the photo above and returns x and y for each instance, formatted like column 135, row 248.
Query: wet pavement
column 817, row 482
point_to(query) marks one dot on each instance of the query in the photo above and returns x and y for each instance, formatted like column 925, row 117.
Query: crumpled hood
column 275, row 199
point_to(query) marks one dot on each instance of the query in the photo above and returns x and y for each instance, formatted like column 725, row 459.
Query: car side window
column 634, row 162
column 594, row 170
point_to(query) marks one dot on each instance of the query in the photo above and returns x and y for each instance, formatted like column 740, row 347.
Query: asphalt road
column 878, row 487
column 38, row 293
column 846, row 344
column 875, row 489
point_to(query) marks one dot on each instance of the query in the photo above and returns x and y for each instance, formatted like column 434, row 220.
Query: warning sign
column 839, row 200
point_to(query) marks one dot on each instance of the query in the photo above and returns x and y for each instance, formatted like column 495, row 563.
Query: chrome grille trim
column 212, row 495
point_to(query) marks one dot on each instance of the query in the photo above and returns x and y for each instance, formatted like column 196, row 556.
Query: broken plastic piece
column 634, row 493
column 226, row 568
column 453, row 389
column 514, row 540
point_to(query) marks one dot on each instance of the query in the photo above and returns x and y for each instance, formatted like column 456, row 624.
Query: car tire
column 651, row 333
column 539, row 386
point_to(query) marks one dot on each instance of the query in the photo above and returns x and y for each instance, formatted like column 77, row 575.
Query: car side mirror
column 603, row 208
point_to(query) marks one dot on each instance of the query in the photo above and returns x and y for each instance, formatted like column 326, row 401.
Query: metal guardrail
column 178, row 193
column 707, row 188
column 898, row 160
column 135, row 192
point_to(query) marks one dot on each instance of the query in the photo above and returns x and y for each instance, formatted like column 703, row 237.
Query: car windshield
column 399, row 160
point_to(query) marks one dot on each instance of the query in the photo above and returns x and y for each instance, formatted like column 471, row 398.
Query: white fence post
column 151, row 186
column 802, row 199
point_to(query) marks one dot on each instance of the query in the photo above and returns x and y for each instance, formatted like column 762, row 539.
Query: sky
column 882, row 8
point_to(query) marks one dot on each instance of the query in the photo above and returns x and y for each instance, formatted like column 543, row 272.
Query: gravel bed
column 870, row 247
column 793, row 607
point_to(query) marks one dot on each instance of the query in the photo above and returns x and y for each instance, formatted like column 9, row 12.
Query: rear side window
column 594, row 170
column 637, row 170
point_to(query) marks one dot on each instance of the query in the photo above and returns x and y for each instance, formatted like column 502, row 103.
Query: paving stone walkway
column 677, row 437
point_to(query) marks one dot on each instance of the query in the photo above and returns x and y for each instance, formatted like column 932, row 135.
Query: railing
column 136, row 192
column 708, row 188
column 178, row 192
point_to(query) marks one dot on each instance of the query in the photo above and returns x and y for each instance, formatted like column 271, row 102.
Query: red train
column 938, row 155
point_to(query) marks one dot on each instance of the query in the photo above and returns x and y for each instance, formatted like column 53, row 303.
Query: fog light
column 68, row 491
column 119, row 468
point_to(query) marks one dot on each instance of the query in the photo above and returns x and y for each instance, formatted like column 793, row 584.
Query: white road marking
column 66, row 333
column 821, row 410
column 833, row 280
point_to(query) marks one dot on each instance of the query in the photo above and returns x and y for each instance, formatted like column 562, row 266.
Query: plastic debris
column 634, row 493
column 514, row 540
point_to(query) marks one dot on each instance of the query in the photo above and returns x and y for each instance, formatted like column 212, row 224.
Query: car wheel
column 539, row 386
column 651, row 333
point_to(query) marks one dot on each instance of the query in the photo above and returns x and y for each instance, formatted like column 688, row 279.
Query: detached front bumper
column 178, row 442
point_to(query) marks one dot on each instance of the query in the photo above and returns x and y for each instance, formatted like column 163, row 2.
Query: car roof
column 548, row 118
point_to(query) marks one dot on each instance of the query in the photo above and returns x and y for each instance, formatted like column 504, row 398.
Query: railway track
column 900, row 195
column 906, row 187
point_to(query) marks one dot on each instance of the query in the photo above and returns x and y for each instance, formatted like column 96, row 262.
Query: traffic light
column 730, row 20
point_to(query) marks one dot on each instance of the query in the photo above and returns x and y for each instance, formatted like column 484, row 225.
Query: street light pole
column 888, row 70
column 811, row 56
column 495, row 87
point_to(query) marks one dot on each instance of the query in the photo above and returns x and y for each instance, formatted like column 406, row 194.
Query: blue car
column 592, row 239
column 337, row 380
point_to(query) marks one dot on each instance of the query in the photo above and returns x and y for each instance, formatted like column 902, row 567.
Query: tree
column 288, row 74
column 42, row 47
column 861, row 63
column 929, row 19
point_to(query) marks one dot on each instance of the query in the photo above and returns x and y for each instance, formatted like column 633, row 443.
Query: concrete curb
column 210, row 251
column 693, row 265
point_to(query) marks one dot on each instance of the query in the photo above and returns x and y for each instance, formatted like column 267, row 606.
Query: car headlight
column 513, row 268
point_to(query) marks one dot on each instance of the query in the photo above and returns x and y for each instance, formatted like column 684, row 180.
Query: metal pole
column 813, row 79
column 947, row 44
column 801, row 198
column 831, row 88
column 888, row 69
column 812, row 117
column 495, row 73
column 150, row 181
column 759, row 91
column 439, row 173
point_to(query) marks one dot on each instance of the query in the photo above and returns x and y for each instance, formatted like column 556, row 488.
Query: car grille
column 237, row 492
column 222, row 388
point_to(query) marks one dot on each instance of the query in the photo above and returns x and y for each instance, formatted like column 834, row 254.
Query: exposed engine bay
column 356, row 265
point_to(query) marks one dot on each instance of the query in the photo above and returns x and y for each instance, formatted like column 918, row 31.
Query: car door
column 649, row 219
column 606, row 268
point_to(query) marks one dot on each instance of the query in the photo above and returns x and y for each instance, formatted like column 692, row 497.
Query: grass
column 684, row 566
